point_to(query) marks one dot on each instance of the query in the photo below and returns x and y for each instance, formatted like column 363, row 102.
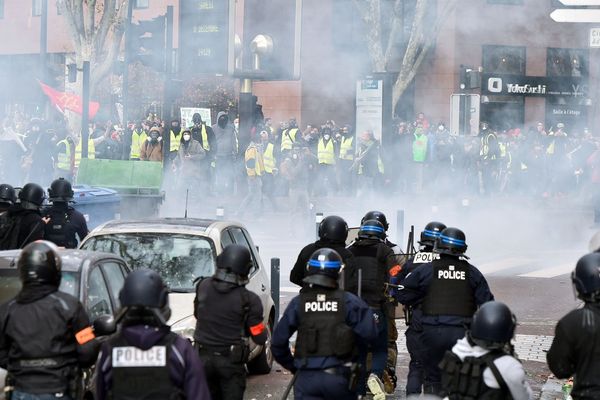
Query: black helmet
column 32, row 196
column 323, row 268
column 586, row 277
column 7, row 194
column 376, row 215
column 39, row 262
column 431, row 233
column 145, row 297
column 333, row 228
column 493, row 326
column 60, row 190
column 371, row 229
column 234, row 264
column 451, row 241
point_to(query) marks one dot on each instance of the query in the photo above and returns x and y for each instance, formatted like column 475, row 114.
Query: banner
column 369, row 106
column 188, row 112
column 69, row 101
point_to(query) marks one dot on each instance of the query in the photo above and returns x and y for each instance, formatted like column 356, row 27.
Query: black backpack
column 9, row 231
column 59, row 230
column 463, row 379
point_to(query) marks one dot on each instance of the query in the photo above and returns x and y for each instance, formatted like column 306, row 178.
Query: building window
column 36, row 8
column 510, row 2
column 141, row 4
column 504, row 60
column 567, row 62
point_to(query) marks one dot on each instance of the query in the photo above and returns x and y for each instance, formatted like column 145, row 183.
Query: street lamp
column 261, row 45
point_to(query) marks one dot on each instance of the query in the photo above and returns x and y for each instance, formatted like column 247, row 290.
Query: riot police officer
column 574, row 349
column 485, row 358
column 45, row 334
column 329, row 322
column 64, row 223
column 448, row 290
column 333, row 232
column 26, row 224
column 227, row 314
column 389, row 377
column 8, row 197
column 145, row 359
column 375, row 262
column 412, row 314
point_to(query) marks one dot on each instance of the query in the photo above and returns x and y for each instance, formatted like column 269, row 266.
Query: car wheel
column 262, row 363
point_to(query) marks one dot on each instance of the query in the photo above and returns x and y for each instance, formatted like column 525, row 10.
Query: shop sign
column 519, row 85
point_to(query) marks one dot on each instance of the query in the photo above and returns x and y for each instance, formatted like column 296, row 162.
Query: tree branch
column 108, row 15
column 392, row 39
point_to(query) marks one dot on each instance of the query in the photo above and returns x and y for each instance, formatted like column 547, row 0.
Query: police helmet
column 371, row 229
column 451, row 241
column 333, row 229
column 60, row 190
column 493, row 326
column 31, row 196
column 8, row 195
column 145, row 297
column 377, row 215
column 586, row 277
column 39, row 263
column 234, row 264
column 431, row 233
column 323, row 268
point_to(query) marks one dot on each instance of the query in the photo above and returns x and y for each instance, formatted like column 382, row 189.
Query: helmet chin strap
column 230, row 277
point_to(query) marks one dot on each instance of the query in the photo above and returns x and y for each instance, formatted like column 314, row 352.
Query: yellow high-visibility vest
column 137, row 139
column 325, row 152
column 288, row 138
column 254, row 161
column 91, row 151
column 64, row 159
column 205, row 144
column 269, row 158
column 347, row 148
column 175, row 143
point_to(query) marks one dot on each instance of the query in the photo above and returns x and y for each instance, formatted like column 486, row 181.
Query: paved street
column 525, row 249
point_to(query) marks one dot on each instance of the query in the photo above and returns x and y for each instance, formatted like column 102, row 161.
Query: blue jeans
column 377, row 348
column 16, row 395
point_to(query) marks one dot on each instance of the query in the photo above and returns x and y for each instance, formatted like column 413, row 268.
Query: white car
column 182, row 250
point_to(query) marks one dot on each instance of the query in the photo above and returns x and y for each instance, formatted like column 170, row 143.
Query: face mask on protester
column 326, row 137
column 186, row 137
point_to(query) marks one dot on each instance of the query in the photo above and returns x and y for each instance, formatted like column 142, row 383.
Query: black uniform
column 575, row 351
column 66, row 225
column 29, row 227
column 45, row 339
column 449, row 290
column 299, row 270
column 226, row 314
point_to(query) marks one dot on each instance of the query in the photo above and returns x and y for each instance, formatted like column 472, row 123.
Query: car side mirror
column 104, row 325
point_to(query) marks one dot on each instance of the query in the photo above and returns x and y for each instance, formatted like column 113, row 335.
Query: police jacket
column 299, row 270
column 44, row 338
column 223, row 311
column 30, row 225
column 575, row 351
column 449, row 290
column 513, row 383
column 65, row 226
column 357, row 315
column 376, row 262
column 183, row 367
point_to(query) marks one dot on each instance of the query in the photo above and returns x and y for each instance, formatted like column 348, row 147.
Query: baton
column 289, row 386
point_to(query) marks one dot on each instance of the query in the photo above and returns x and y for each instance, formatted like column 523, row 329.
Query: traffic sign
column 580, row 3
column 595, row 37
column 581, row 15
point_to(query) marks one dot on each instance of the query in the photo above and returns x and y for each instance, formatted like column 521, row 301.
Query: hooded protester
column 189, row 161
column 152, row 148
column 227, row 150
column 175, row 139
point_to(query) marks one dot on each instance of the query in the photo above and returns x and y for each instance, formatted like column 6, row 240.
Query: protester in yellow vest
column 174, row 139
column 288, row 136
column 345, row 160
column 255, row 168
column 65, row 158
column 326, row 159
column 138, row 136
column 270, row 164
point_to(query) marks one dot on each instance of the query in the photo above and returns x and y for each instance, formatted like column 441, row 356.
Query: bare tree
column 424, row 28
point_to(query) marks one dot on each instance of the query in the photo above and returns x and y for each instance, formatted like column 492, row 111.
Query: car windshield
column 10, row 284
column 178, row 258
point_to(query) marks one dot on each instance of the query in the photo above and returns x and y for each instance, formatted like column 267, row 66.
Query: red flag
column 69, row 101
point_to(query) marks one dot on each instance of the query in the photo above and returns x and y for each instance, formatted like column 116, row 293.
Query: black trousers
column 226, row 380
